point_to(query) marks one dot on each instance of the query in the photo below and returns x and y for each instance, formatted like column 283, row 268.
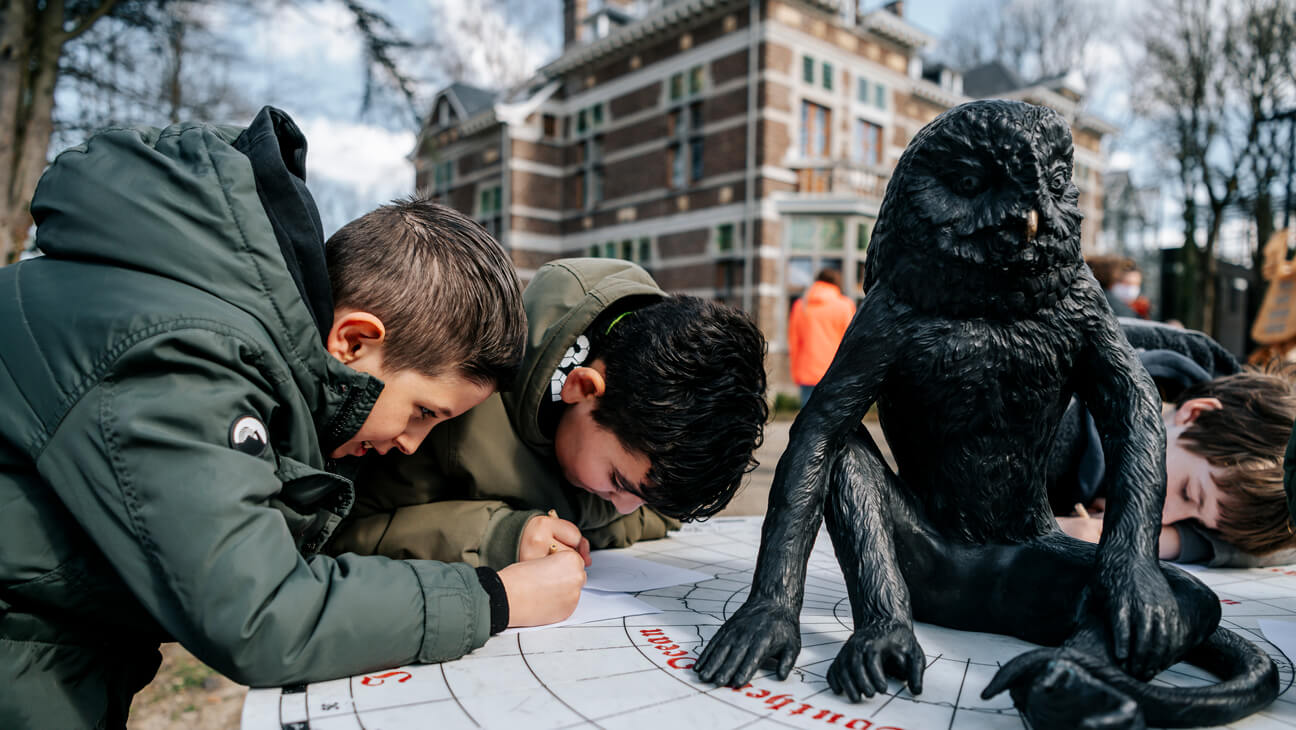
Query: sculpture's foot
column 1051, row 690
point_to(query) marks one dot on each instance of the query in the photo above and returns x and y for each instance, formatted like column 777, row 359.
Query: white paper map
column 635, row 672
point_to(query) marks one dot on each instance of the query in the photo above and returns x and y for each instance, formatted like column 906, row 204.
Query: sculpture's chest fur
column 970, row 409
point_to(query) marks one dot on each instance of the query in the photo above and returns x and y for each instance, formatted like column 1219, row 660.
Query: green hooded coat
column 132, row 509
column 472, row 486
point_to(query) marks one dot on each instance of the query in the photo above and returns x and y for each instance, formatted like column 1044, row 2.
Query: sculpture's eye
column 969, row 184
column 1058, row 178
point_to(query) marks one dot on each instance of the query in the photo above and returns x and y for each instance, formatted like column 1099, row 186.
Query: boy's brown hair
column 1247, row 438
column 444, row 289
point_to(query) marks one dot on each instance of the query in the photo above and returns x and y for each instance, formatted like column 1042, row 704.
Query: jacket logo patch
column 248, row 434
column 574, row 356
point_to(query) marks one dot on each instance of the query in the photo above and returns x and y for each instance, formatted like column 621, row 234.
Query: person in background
column 815, row 328
column 1121, row 281
column 1226, row 433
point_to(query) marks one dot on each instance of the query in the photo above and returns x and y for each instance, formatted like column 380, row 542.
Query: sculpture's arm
column 1119, row 393
column 835, row 408
column 766, row 625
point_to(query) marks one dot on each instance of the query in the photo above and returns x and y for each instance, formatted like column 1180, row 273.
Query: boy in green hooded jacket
column 632, row 409
column 183, row 373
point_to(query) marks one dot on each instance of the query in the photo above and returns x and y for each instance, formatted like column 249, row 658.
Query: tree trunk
column 31, row 43
column 1187, row 304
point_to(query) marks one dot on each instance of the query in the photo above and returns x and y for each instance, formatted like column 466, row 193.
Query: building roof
column 990, row 79
column 469, row 99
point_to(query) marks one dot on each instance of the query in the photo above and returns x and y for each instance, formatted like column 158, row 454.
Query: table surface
column 635, row 672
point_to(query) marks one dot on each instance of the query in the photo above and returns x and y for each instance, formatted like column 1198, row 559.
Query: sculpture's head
column 982, row 196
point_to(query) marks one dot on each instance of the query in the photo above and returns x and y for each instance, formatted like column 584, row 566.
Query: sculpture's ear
column 1189, row 410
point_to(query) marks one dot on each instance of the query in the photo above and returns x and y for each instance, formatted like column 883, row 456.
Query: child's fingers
column 584, row 550
column 566, row 533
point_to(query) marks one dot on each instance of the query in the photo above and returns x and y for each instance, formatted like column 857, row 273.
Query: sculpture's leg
column 865, row 504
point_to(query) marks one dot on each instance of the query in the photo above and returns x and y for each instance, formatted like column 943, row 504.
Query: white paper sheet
column 618, row 571
column 598, row 606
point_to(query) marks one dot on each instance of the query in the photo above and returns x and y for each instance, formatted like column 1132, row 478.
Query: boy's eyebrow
column 622, row 483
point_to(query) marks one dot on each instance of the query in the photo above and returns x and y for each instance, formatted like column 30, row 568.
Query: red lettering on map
column 377, row 679
column 778, row 702
column 801, row 710
column 681, row 660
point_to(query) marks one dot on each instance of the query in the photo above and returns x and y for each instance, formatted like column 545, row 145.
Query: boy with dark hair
column 1225, row 440
column 177, row 384
column 632, row 409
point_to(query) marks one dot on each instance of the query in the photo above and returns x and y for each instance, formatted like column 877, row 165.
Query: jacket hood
column 562, row 301
column 219, row 208
column 822, row 291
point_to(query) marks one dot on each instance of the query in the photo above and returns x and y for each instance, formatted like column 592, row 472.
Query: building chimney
column 573, row 14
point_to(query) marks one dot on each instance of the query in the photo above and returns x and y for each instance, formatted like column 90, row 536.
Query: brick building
column 732, row 147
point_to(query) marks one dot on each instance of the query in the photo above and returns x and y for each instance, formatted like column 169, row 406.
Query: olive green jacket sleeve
column 189, row 525
column 476, row 532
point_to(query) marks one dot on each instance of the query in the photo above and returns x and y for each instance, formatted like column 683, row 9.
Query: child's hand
column 1088, row 529
column 544, row 590
column 547, row 534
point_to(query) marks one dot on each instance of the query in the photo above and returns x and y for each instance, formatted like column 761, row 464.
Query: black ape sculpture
column 980, row 321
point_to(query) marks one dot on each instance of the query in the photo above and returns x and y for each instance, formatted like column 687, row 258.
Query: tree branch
column 93, row 17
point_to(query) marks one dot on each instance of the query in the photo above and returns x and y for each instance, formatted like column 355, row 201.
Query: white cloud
column 352, row 167
column 308, row 33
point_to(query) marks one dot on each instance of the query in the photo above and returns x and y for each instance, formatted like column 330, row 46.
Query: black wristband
column 494, row 588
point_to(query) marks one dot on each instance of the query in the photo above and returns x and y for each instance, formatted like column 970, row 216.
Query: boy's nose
column 407, row 444
column 1174, row 511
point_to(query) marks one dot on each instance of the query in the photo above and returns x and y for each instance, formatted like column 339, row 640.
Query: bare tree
column 1262, row 60
column 126, row 61
column 1181, row 88
column 1035, row 38
column 1210, row 76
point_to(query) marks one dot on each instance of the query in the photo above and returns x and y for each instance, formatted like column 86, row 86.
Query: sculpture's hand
column 762, row 629
column 1146, row 627
column 873, row 652
column 1054, row 688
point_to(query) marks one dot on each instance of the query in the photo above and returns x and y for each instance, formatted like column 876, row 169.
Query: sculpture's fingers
column 1120, row 633
column 855, row 670
column 841, row 683
column 748, row 662
column 1010, row 673
column 712, row 659
column 787, row 660
column 873, row 663
column 917, row 663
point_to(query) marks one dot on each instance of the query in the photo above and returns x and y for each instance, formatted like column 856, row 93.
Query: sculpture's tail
column 1249, row 683
column 1056, row 688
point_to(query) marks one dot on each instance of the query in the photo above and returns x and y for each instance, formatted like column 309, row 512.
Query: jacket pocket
column 312, row 501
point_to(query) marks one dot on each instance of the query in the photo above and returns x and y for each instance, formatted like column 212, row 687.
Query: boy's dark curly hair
column 686, row 386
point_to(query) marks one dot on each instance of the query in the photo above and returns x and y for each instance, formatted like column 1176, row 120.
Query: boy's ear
column 1189, row 410
column 583, row 383
column 354, row 334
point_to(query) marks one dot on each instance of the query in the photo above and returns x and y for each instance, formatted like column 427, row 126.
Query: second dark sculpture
column 980, row 322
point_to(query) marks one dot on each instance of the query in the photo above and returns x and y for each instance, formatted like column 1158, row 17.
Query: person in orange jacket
column 818, row 321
